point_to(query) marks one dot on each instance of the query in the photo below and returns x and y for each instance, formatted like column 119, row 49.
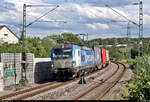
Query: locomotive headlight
column 52, row 65
column 73, row 63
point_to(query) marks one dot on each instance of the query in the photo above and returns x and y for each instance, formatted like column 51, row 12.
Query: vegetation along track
column 103, row 93
column 23, row 94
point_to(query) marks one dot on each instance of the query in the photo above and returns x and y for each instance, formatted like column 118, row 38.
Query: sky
column 81, row 16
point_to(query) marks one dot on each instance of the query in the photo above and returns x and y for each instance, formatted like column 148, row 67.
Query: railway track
column 23, row 94
column 104, row 88
column 29, row 92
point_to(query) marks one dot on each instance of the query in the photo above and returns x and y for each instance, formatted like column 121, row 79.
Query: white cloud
column 81, row 18
column 98, row 26
column 146, row 19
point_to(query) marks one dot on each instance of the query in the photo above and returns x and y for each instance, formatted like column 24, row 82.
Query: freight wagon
column 70, row 60
column 107, row 57
column 97, row 57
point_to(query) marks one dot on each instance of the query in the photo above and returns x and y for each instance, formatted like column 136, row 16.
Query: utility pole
column 87, row 36
column 24, row 23
column 140, row 48
column 140, row 25
column 23, row 79
column 128, row 39
column 23, row 37
column 128, row 48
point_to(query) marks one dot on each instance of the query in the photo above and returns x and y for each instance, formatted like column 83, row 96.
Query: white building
column 6, row 35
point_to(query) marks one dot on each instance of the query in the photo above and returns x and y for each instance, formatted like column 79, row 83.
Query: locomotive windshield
column 62, row 53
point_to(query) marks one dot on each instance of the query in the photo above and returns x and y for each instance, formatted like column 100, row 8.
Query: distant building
column 6, row 35
column 118, row 45
column 121, row 45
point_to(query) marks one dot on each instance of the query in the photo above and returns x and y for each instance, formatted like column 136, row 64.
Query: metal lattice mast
column 129, row 40
column 140, row 52
column 23, row 37
column 24, row 24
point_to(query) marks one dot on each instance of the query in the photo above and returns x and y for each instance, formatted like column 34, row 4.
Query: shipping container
column 107, row 55
column 103, row 55
column 97, row 55
column 87, row 57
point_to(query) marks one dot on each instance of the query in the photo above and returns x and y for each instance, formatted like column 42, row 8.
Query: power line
column 58, row 21
column 140, row 25
column 122, row 15
column 40, row 16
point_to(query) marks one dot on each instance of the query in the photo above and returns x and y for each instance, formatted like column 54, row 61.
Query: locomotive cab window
column 63, row 53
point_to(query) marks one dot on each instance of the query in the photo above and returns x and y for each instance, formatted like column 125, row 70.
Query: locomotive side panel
column 76, row 56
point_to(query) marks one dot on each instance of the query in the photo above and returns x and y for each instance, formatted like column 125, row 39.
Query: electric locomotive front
column 65, row 60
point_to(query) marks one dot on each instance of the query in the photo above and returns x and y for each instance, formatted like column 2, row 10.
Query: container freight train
column 70, row 61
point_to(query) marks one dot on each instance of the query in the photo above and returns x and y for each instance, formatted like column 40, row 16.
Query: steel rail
column 12, row 95
column 110, row 87
column 36, row 92
column 95, row 86
column 26, row 90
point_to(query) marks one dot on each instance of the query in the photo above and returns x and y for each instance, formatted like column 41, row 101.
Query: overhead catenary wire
column 122, row 15
column 41, row 16
column 105, row 21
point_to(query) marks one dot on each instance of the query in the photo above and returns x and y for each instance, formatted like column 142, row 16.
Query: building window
column 6, row 34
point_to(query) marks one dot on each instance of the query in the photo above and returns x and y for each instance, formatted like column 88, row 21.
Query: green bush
column 40, row 47
column 139, row 89
column 140, row 63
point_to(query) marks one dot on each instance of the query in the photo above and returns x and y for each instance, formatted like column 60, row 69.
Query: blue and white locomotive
column 70, row 60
